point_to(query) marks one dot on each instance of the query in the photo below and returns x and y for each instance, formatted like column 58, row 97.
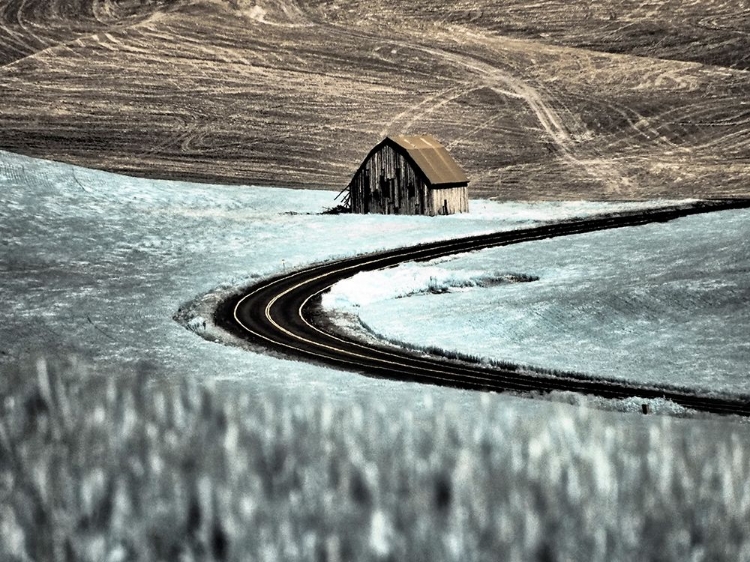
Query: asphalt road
column 282, row 314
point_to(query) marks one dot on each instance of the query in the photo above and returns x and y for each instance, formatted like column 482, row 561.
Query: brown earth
column 620, row 100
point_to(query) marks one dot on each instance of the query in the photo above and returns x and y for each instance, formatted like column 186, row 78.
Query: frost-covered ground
column 98, row 263
column 662, row 303
column 158, row 444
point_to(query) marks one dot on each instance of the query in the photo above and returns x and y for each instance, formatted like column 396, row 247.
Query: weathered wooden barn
column 408, row 175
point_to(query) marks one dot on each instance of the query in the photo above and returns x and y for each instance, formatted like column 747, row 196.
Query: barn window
column 389, row 189
column 384, row 185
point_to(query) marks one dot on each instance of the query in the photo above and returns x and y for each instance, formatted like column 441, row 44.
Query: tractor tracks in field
column 282, row 314
column 474, row 61
column 485, row 73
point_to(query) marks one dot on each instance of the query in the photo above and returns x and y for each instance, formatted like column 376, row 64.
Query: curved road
column 281, row 314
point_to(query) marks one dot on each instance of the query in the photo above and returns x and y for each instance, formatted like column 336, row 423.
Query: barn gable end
column 410, row 175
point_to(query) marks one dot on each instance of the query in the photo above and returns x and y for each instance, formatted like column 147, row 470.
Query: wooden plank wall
column 388, row 184
column 452, row 199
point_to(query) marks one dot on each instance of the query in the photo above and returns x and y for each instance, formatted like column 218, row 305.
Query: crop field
column 618, row 100
column 713, row 32
column 97, row 466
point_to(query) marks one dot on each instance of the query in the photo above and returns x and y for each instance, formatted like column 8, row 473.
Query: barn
column 408, row 175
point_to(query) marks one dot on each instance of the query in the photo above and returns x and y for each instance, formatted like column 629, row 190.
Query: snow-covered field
column 159, row 444
column 662, row 303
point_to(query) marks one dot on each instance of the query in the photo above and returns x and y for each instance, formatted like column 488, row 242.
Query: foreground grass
column 111, row 468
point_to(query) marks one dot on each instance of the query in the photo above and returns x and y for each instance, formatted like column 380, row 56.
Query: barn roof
column 432, row 158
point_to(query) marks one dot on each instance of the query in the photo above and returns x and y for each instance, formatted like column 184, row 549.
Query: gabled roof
column 431, row 158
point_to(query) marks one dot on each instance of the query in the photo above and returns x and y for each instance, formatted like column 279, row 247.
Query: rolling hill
column 616, row 101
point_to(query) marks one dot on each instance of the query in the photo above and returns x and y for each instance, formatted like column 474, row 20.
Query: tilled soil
column 295, row 94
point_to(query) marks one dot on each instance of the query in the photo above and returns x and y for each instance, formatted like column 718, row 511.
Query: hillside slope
column 29, row 27
column 287, row 94
column 710, row 32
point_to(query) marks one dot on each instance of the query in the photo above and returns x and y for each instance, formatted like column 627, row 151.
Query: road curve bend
column 281, row 314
